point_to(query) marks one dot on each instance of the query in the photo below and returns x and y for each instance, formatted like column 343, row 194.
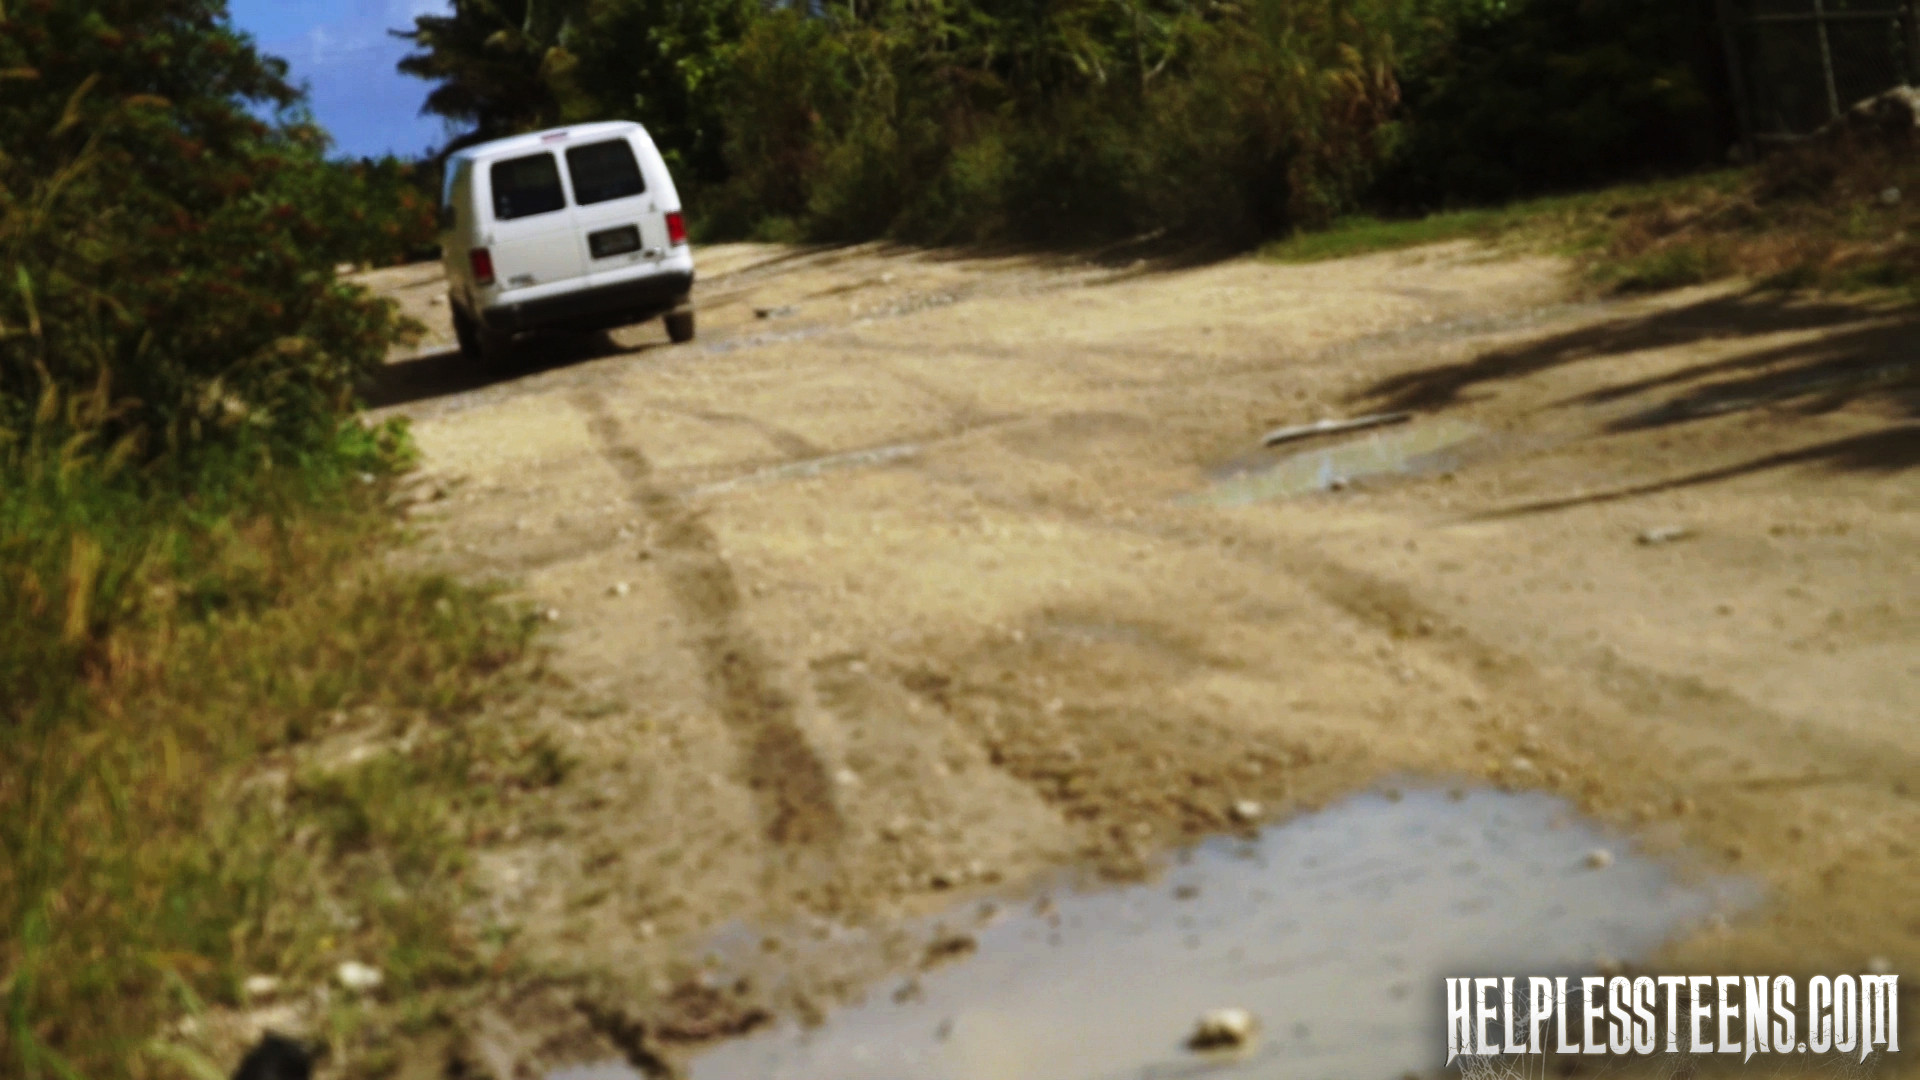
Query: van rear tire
column 491, row 348
column 680, row 327
column 467, row 334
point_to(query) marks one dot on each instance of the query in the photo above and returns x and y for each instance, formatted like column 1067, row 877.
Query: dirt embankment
column 912, row 590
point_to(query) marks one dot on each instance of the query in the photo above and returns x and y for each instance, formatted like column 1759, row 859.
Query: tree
column 162, row 249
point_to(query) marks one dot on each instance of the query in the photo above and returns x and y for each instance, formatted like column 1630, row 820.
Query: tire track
column 797, row 804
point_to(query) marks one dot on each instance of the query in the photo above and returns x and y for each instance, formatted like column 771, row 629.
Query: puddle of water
column 1433, row 446
column 1335, row 930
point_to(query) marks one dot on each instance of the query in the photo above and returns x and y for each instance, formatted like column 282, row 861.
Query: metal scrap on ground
column 1330, row 426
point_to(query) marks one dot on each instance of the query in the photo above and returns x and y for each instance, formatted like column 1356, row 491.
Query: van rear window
column 525, row 186
column 604, row 171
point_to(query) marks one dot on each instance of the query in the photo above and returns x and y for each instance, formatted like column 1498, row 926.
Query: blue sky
column 341, row 50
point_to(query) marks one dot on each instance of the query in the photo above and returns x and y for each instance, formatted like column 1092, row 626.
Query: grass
column 1840, row 215
column 1364, row 235
column 191, row 660
column 1573, row 223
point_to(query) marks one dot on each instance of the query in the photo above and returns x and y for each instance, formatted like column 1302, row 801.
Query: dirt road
column 952, row 570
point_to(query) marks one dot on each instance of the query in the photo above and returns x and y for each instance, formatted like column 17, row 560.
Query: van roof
column 536, row 139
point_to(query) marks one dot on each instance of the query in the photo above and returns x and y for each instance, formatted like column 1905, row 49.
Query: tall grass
column 193, row 599
column 169, row 643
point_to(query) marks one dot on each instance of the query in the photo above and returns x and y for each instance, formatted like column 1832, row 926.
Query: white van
column 576, row 228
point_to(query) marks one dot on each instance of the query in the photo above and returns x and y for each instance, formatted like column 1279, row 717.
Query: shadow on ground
column 448, row 372
column 1856, row 339
column 1841, row 355
column 1889, row 450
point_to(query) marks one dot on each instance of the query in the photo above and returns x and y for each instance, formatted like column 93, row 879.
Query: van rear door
column 619, row 219
column 532, row 226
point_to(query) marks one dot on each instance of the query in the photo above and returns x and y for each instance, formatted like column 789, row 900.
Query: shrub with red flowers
column 167, row 256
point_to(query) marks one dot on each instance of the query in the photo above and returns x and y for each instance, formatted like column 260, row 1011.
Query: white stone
column 1222, row 1028
column 1245, row 810
column 1665, row 534
column 259, row 986
column 359, row 977
column 1599, row 859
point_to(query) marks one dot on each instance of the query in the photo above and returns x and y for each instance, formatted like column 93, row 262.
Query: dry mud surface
column 936, row 580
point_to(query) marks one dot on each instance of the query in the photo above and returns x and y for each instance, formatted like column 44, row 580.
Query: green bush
column 164, row 250
column 950, row 121
column 1506, row 98
column 380, row 211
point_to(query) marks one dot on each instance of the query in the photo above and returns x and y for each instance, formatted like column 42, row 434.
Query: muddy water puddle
column 1420, row 449
column 1335, row 930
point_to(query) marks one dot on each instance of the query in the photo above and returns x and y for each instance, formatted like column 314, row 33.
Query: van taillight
column 482, row 260
column 676, row 228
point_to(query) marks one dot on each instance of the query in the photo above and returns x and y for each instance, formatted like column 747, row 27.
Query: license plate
column 611, row 242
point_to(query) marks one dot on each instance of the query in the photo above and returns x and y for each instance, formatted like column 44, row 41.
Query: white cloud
column 403, row 12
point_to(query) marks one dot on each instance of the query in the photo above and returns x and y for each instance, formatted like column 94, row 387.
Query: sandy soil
column 897, row 596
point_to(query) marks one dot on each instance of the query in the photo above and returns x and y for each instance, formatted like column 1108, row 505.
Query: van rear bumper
column 601, row 307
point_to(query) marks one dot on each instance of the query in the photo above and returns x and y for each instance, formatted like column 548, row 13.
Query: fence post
column 1826, row 59
column 1912, row 18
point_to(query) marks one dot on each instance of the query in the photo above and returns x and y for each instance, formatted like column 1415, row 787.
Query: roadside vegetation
column 1837, row 213
column 192, row 606
column 1204, row 122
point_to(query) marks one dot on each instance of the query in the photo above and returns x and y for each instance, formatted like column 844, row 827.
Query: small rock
column 1879, row 965
column 1599, row 859
column 552, row 614
column 1245, row 810
column 1520, row 763
column 619, row 588
column 1890, row 197
column 1664, row 534
column 774, row 312
column 1221, row 1028
column 846, row 777
column 359, row 977
column 949, row 947
column 260, row 986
